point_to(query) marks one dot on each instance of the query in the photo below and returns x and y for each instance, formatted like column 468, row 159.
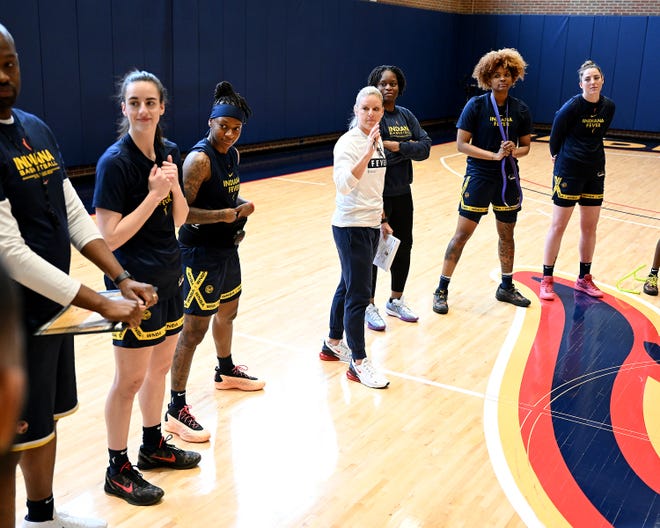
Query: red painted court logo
column 573, row 413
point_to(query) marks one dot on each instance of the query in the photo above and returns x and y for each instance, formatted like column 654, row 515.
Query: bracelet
column 122, row 276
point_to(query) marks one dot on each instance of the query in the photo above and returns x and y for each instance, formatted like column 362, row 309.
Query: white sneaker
column 339, row 352
column 373, row 319
column 398, row 308
column 63, row 520
column 366, row 374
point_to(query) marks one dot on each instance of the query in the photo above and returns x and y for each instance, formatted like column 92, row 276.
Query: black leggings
column 399, row 212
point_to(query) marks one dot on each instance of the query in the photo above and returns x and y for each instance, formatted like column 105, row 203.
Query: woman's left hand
column 386, row 230
column 139, row 291
column 508, row 147
column 244, row 210
column 170, row 171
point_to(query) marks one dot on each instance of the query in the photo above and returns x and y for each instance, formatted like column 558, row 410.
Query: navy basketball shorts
column 51, row 389
column 585, row 188
column 211, row 277
column 163, row 319
column 478, row 193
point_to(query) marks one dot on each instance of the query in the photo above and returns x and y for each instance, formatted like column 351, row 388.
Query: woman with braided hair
column 209, row 248
column 494, row 130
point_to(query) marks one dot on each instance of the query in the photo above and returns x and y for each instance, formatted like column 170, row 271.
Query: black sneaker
column 130, row 486
column 512, row 296
column 238, row 379
column 168, row 456
column 440, row 302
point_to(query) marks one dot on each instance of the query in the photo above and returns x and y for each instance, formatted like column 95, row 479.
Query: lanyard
column 505, row 137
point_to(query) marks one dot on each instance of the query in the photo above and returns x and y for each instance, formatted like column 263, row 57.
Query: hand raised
column 159, row 184
column 170, row 170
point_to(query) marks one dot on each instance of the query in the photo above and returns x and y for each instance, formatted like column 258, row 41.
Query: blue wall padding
column 300, row 64
column 647, row 116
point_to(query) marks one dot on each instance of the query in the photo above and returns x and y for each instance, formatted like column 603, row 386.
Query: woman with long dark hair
column 139, row 202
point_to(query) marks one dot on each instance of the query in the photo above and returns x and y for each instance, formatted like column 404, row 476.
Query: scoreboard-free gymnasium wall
column 301, row 63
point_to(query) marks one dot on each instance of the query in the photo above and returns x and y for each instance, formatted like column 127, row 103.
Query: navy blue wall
column 300, row 63
column 625, row 47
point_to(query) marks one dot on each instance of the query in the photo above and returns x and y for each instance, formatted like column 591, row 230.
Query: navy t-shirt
column 122, row 183
column 478, row 118
column 577, row 134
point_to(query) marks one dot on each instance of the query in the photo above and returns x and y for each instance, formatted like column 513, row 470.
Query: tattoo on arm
column 196, row 170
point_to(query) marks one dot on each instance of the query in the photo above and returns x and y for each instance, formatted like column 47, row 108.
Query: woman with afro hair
column 494, row 130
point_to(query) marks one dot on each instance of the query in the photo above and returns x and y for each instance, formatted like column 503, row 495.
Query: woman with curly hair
column 576, row 147
column 494, row 130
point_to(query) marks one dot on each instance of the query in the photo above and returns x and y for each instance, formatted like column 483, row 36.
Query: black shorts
column 478, row 193
column 51, row 389
column 211, row 276
column 585, row 188
column 163, row 319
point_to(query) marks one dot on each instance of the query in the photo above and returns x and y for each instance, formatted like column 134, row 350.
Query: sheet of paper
column 386, row 251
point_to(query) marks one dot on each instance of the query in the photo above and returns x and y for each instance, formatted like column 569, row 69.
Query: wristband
column 383, row 220
column 122, row 276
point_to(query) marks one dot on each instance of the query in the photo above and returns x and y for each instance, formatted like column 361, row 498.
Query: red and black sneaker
column 130, row 486
column 167, row 456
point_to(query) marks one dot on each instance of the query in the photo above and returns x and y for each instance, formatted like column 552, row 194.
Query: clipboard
column 76, row 320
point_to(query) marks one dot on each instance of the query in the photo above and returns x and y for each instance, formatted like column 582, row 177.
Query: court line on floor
column 425, row 381
column 607, row 217
column 546, row 202
column 291, row 180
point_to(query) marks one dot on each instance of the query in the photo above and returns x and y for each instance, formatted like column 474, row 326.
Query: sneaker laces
column 132, row 472
column 239, row 372
column 186, row 417
column 652, row 280
column 164, row 444
column 401, row 304
column 367, row 368
column 548, row 286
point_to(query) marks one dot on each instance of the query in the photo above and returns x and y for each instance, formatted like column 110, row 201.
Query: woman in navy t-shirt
column 493, row 141
column 139, row 202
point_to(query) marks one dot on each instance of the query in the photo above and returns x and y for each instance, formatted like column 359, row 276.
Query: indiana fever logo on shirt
column 593, row 123
column 232, row 184
column 165, row 203
column 36, row 164
column 506, row 121
column 377, row 163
